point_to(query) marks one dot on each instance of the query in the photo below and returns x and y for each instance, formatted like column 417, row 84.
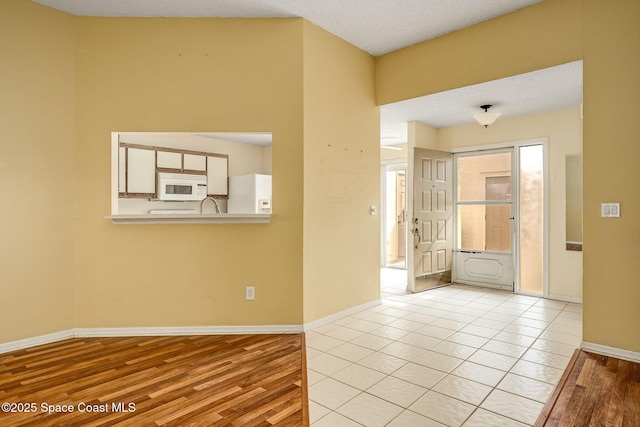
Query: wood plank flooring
column 228, row 380
column 595, row 390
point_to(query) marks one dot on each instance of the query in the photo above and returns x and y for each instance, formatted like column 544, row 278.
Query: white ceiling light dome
column 486, row 119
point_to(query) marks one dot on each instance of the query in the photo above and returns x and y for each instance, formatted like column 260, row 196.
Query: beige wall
column 605, row 35
column 186, row 75
column 341, row 176
column 37, row 79
column 517, row 44
column 611, row 173
column 421, row 136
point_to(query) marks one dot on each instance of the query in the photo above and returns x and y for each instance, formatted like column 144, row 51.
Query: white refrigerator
column 250, row 194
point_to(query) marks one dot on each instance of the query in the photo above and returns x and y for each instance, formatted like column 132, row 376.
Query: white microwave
column 181, row 186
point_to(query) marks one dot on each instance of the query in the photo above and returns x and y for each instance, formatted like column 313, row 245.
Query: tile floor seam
column 361, row 393
column 487, row 396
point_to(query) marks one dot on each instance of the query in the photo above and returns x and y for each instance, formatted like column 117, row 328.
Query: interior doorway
column 395, row 216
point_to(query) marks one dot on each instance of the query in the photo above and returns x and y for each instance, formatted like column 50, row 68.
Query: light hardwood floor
column 230, row 380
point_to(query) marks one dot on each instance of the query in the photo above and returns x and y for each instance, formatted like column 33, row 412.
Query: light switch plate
column 610, row 210
column 373, row 210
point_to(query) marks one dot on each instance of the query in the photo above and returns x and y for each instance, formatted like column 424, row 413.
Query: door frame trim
column 390, row 165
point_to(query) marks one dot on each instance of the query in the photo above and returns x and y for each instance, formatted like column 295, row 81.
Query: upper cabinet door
column 141, row 171
column 217, row 175
column 195, row 162
column 169, row 160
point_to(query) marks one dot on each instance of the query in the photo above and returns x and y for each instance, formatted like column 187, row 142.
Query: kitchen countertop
column 223, row 218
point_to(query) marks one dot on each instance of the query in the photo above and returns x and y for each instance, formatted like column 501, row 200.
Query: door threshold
column 432, row 281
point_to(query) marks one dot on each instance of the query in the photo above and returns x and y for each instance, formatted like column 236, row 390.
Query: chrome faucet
column 215, row 202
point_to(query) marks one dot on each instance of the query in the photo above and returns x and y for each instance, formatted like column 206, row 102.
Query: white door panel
column 432, row 226
column 488, row 269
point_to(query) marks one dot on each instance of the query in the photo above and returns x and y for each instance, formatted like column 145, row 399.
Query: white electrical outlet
column 250, row 293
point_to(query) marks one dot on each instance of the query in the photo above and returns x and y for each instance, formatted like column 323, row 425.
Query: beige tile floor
column 453, row 356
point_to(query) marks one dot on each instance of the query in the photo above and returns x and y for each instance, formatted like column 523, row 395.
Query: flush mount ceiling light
column 486, row 118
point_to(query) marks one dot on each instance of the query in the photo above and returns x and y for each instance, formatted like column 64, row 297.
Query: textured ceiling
column 536, row 92
column 378, row 27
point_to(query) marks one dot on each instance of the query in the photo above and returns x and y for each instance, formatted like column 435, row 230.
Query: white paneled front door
column 431, row 236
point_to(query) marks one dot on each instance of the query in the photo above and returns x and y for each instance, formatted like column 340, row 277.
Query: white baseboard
column 39, row 340
column 187, row 330
column 148, row 331
column 605, row 350
column 576, row 300
column 336, row 316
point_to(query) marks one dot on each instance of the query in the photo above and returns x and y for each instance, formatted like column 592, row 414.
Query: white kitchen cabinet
column 217, row 174
column 122, row 169
column 138, row 168
column 169, row 160
column 195, row 162
column 141, row 171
